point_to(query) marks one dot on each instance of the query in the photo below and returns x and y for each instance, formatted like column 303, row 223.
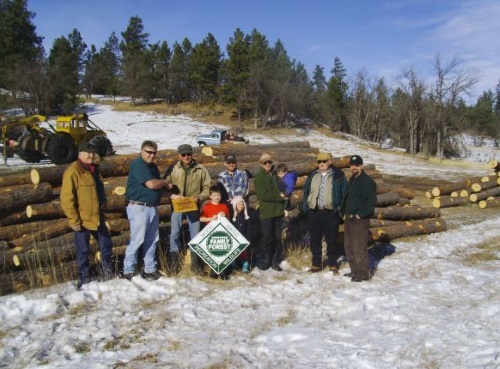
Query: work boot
column 174, row 263
column 151, row 276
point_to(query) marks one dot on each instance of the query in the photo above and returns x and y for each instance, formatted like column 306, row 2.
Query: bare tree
column 452, row 81
column 411, row 107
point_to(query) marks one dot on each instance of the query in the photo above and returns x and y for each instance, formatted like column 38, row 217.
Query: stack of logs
column 483, row 191
column 36, row 244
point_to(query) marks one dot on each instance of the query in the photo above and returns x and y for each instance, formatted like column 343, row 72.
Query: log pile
column 36, row 245
column 482, row 192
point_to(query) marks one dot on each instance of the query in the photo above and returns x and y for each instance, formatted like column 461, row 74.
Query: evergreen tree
column 109, row 66
column 64, row 73
column 179, row 72
column 20, row 46
column 319, row 95
column 236, row 73
column 204, row 67
column 337, row 97
column 163, row 58
column 133, row 48
column 91, row 76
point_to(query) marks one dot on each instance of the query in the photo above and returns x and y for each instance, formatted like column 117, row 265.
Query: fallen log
column 492, row 192
column 411, row 228
column 50, row 231
column 221, row 150
column 16, row 217
column 43, row 257
column 15, row 179
column 14, row 231
column 489, row 203
column 46, row 210
column 495, row 165
column 486, row 183
column 22, row 187
column 406, row 212
column 391, row 198
column 448, row 201
column 448, row 188
column 10, row 201
column 461, row 193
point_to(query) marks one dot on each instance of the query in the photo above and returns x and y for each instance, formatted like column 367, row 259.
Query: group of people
column 329, row 199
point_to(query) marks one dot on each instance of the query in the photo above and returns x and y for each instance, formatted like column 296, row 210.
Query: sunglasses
column 267, row 162
column 184, row 155
column 322, row 161
column 149, row 152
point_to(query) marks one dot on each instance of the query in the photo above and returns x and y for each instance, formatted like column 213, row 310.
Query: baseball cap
column 230, row 158
column 185, row 149
column 356, row 160
column 86, row 147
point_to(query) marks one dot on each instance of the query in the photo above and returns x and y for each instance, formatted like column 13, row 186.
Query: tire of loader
column 30, row 156
column 61, row 149
column 103, row 145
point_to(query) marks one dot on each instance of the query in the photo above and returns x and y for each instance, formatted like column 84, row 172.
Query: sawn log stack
column 37, row 246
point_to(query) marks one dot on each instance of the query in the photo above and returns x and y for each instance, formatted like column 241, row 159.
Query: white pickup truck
column 217, row 137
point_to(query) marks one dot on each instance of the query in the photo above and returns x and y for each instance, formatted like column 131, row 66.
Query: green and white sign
column 219, row 244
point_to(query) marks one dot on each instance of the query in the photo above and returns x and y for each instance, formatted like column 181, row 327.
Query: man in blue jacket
column 323, row 193
column 357, row 206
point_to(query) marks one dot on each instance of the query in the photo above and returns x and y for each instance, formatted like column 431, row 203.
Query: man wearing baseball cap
column 234, row 182
column 189, row 179
column 357, row 206
column 83, row 200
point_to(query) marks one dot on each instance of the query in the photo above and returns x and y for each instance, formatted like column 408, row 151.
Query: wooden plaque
column 184, row 204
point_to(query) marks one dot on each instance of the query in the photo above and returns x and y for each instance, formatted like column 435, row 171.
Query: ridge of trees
column 260, row 80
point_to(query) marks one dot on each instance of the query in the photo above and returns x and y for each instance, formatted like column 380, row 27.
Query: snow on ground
column 424, row 308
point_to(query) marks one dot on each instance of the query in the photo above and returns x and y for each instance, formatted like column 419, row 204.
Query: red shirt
column 209, row 210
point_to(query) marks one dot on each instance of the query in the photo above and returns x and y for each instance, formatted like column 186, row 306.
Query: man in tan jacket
column 189, row 179
column 83, row 201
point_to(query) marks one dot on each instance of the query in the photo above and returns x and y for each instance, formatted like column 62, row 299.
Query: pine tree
column 20, row 46
column 338, row 97
column 204, row 67
column 133, row 48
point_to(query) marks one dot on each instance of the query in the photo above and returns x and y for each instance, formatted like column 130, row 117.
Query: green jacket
column 197, row 182
column 271, row 204
column 79, row 197
column 361, row 197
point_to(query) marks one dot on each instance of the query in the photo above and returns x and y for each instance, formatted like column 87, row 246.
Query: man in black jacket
column 357, row 206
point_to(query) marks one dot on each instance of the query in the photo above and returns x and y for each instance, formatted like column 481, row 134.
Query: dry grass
column 458, row 163
column 485, row 252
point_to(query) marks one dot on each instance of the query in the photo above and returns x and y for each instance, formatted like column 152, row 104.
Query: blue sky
column 381, row 37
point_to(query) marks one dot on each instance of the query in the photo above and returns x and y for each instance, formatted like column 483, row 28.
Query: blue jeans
column 144, row 231
column 193, row 218
column 82, row 243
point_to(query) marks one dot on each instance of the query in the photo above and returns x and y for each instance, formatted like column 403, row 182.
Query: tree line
column 257, row 78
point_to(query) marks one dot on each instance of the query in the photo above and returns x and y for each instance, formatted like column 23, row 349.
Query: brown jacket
column 79, row 198
column 197, row 183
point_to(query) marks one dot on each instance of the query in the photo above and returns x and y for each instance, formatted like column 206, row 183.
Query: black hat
column 356, row 160
column 185, row 149
column 230, row 158
column 85, row 146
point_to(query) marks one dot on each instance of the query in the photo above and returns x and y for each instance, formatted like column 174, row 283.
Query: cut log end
column 119, row 190
column 35, row 176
